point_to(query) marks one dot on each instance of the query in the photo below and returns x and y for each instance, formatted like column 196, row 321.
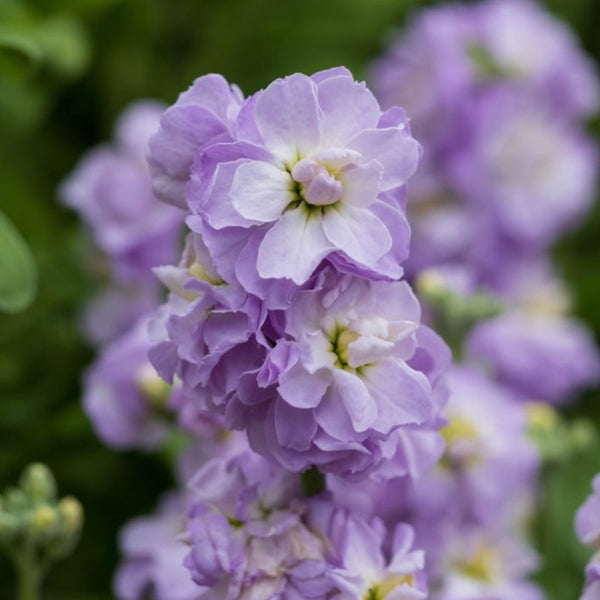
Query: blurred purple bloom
column 555, row 64
column 126, row 400
column 111, row 190
column 541, row 357
column 152, row 564
column 587, row 526
column 249, row 534
column 452, row 51
column 530, row 172
column 112, row 313
column 472, row 564
column 587, row 522
column 489, row 464
column 365, row 571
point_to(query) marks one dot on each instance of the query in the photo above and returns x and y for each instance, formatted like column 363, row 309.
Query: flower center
column 482, row 564
column 318, row 186
column 381, row 590
column 340, row 342
column 154, row 389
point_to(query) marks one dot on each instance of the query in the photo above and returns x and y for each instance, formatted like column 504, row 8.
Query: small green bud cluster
column 454, row 314
column 35, row 522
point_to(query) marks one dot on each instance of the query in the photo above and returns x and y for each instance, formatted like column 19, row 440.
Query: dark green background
column 152, row 48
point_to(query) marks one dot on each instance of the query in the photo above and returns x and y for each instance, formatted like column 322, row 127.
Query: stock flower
column 489, row 464
column 555, row 64
column 541, row 357
column 587, row 522
column 206, row 333
column 249, row 535
column 110, row 314
column 587, row 527
column 472, row 563
column 427, row 69
column 152, row 564
column 530, row 172
column 126, row 400
column 203, row 114
column 315, row 170
column 452, row 51
column 336, row 386
column 365, row 573
column 111, row 190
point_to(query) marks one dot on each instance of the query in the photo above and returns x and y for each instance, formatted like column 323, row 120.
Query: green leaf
column 65, row 45
column 18, row 274
column 19, row 55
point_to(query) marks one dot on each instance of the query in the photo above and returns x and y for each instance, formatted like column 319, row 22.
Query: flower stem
column 28, row 575
column 313, row 481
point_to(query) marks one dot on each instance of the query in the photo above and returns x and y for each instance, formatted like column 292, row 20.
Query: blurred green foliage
column 67, row 68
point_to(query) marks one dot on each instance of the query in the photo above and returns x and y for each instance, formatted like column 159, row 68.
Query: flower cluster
column 334, row 453
column 286, row 315
column 507, row 170
column 111, row 190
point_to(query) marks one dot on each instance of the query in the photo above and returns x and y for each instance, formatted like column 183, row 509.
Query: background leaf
column 18, row 276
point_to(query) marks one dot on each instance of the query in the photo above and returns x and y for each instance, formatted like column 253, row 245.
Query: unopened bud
column 541, row 416
column 430, row 284
column 10, row 527
column 15, row 501
column 71, row 520
column 582, row 434
column 43, row 522
column 71, row 515
column 38, row 484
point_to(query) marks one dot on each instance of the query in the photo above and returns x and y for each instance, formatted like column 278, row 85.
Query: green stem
column 28, row 574
column 313, row 481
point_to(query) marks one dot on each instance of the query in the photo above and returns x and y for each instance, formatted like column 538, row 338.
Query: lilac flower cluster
column 507, row 170
column 286, row 315
column 334, row 453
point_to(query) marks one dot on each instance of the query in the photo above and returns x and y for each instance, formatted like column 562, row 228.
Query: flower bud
column 70, row 514
column 38, row 484
column 10, row 527
column 43, row 523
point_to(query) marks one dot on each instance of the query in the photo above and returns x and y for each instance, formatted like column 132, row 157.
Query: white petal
column 361, row 184
column 293, row 247
column 261, row 191
column 394, row 148
column 288, row 117
column 357, row 232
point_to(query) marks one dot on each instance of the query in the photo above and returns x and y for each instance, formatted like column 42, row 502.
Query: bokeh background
column 67, row 68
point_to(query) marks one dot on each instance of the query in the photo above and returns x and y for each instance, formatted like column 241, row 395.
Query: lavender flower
column 249, row 534
column 202, row 115
column 476, row 564
column 531, row 173
column 539, row 356
column 554, row 65
column 489, row 464
column 111, row 190
column 364, row 572
column 126, row 400
column 315, row 170
column 153, row 557
column 333, row 390
column 587, row 526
